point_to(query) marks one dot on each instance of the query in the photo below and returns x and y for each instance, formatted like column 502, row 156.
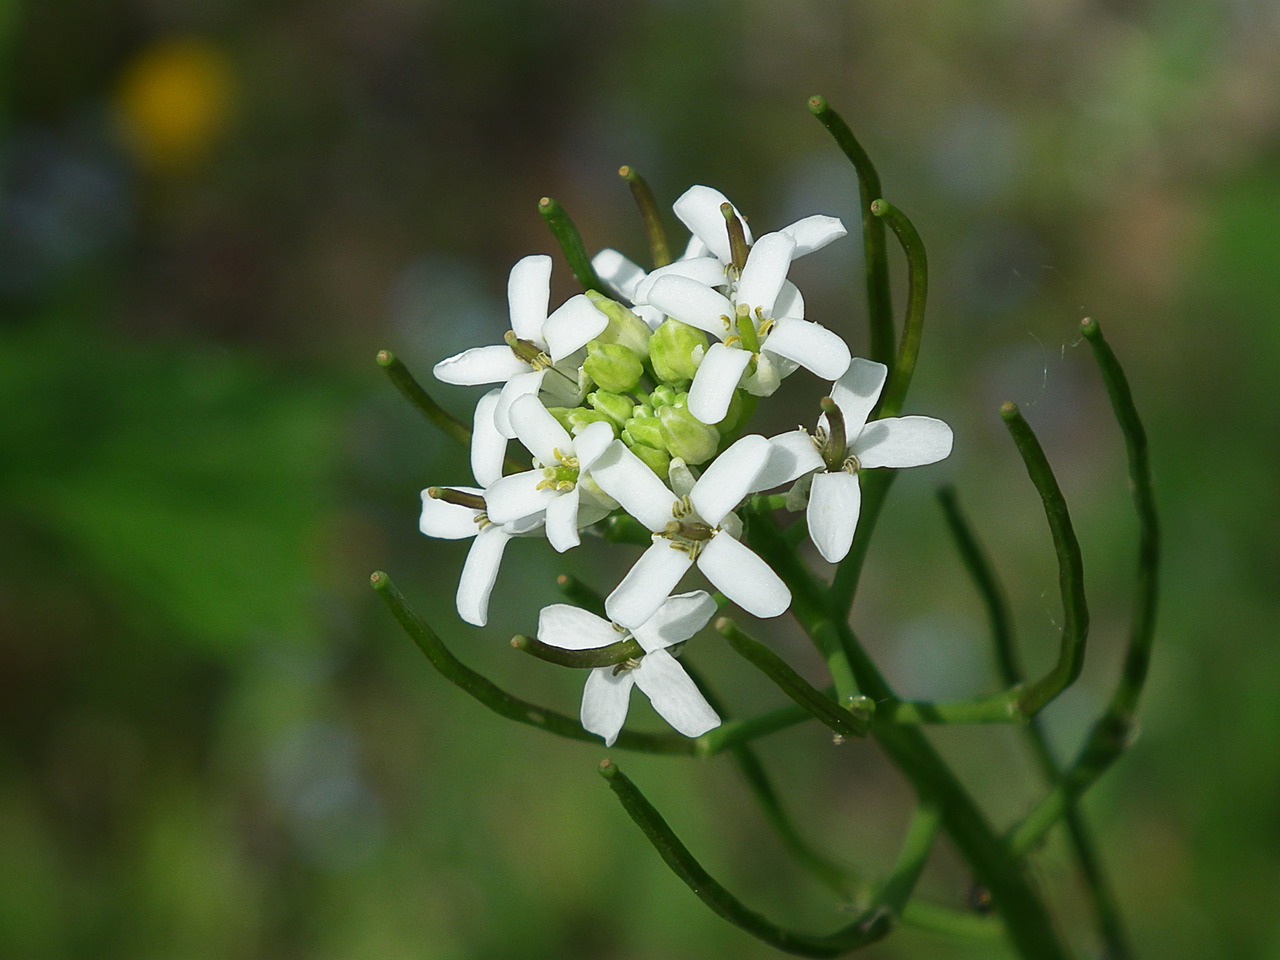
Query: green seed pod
column 625, row 329
column 676, row 350
column 614, row 368
column 687, row 437
column 617, row 409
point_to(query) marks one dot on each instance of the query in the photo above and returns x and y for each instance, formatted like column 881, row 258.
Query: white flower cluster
column 640, row 404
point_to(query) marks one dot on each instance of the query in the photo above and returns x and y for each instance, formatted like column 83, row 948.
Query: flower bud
column 577, row 419
column 625, row 329
column 616, row 369
column 616, row 408
column 676, row 350
column 646, row 430
column 656, row 460
column 664, row 396
column 687, row 437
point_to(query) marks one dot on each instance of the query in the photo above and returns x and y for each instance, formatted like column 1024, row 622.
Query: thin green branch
column 570, row 240
column 895, row 393
column 648, row 207
column 497, row 699
column 901, row 882
column 412, row 391
column 733, row 732
column 875, row 256
column 581, row 595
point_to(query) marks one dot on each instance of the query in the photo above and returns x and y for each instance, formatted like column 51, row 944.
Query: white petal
column 518, row 386
column 647, row 584
column 680, row 477
column 811, row 345
column 511, row 498
column 789, row 302
column 743, row 577
column 765, row 270
column 624, row 476
column 570, row 327
column 539, row 431
column 705, row 270
column 605, row 699
column 814, row 233
column 448, row 521
column 674, row 695
column 729, row 478
column 479, row 574
column 572, row 628
column 488, row 445
column 678, row 619
column 562, row 521
column 834, row 502
column 590, row 443
column 902, row 442
column 480, row 365
column 767, row 377
column 618, row 272
column 693, row 303
column 699, row 209
column 652, row 316
column 715, row 381
column 857, row 392
column 791, row 455
column 528, row 290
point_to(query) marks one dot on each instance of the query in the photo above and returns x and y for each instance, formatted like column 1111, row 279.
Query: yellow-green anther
column 457, row 497
column 617, row 408
column 615, row 368
column 833, row 447
column 686, row 436
column 625, row 328
column 676, row 350
column 737, row 236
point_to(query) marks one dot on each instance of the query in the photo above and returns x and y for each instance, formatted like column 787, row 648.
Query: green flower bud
column 687, row 437
column 664, row 396
column 656, row 460
column 646, row 430
column 741, row 407
column 614, row 368
column 577, row 419
column 617, row 409
column 642, row 410
column 676, row 349
column 625, row 329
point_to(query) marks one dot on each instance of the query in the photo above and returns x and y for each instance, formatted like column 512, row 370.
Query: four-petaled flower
column 539, row 353
column 843, row 443
column 695, row 524
column 659, row 676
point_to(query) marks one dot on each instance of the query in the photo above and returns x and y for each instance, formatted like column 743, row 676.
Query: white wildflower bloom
column 541, row 352
column 830, row 462
column 458, row 521
column 760, row 322
column 553, row 487
column 694, row 524
column 658, row 674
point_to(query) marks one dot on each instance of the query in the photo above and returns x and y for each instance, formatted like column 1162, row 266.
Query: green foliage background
column 216, row 744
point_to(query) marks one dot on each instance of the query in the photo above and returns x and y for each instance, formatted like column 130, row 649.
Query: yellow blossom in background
column 174, row 101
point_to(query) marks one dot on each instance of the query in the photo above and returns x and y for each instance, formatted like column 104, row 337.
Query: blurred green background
column 215, row 743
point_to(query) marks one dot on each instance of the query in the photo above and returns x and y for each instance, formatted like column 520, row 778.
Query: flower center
column 527, row 350
column 563, row 476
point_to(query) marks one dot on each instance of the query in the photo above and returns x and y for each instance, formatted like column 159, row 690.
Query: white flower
column 693, row 525
column 760, row 322
column 457, row 513
column 540, row 350
column 833, row 461
column 552, row 488
column 659, row 676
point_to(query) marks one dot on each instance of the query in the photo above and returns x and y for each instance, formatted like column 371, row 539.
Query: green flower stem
column 844, row 722
column 412, row 391
column 733, row 732
column 581, row 595
column 497, row 699
column 612, row 655
column 901, row 882
column 1075, row 627
column 917, row 293
column 875, row 256
column 570, row 240
column 1029, row 925
column 653, row 229
column 949, row 922
column 871, row 925
column 1010, row 669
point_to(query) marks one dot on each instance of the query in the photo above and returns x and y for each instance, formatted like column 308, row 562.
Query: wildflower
column 845, row 443
column 607, row 694
column 694, row 524
column 539, row 352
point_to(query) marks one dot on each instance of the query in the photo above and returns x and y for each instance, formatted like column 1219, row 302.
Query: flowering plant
column 633, row 401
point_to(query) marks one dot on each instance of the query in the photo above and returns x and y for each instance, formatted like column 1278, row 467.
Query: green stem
column 570, row 240
column 653, row 229
column 734, row 732
column 895, row 393
column 497, row 699
column 581, row 595
column 875, row 256
column 412, row 391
